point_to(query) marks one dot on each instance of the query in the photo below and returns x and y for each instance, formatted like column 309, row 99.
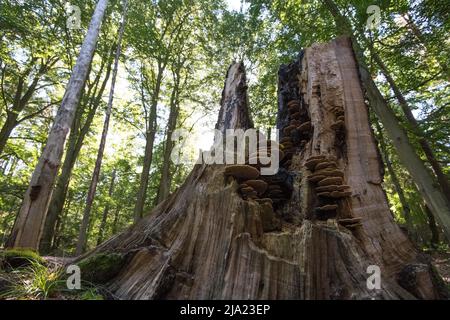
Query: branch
column 3, row 87
column 32, row 115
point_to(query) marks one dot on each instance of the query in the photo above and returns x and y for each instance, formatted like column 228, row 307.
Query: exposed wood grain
column 207, row 242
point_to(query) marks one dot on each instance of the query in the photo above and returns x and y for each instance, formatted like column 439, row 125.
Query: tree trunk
column 164, row 184
column 31, row 218
column 431, row 193
column 116, row 220
column 148, row 152
column 59, row 227
column 287, row 239
column 441, row 177
column 75, row 142
column 395, row 181
column 82, row 238
column 7, row 128
column 434, row 241
column 101, row 230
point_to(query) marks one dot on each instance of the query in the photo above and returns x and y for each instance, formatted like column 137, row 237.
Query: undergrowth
column 34, row 279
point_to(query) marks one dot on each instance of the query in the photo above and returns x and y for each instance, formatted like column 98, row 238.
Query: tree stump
column 329, row 217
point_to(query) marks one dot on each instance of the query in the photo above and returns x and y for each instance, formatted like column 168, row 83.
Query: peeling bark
column 221, row 236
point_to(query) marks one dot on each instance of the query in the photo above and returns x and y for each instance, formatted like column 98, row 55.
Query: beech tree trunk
column 28, row 227
column 82, row 238
column 296, row 234
column 435, row 165
column 395, row 181
column 75, row 142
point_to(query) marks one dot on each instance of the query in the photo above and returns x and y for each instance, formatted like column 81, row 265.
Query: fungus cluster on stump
column 328, row 183
column 297, row 132
column 269, row 191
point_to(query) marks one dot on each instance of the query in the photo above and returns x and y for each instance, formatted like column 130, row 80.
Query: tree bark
column 31, row 218
column 102, row 227
column 82, row 238
column 59, row 229
column 214, row 239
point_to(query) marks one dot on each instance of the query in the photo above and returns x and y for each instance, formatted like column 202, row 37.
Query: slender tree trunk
column 434, row 241
column 148, row 153
column 101, row 230
column 7, row 128
column 60, row 223
column 75, row 142
column 432, row 194
column 395, row 181
column 59, row 194
column 165, row 182
column 82, row 238
column 59, row 230
column 116, row 219
column 28, row 228
column 441, row 177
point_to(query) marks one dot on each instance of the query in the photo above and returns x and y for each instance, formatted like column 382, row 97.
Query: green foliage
column 36, row 281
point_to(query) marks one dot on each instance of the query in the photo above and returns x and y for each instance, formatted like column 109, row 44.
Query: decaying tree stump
column 308, row 232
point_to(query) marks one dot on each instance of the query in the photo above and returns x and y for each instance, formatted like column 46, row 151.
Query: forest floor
column 42, row 280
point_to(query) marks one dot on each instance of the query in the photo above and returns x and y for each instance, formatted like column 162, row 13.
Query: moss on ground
column 17, row 258
column 101, row 267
